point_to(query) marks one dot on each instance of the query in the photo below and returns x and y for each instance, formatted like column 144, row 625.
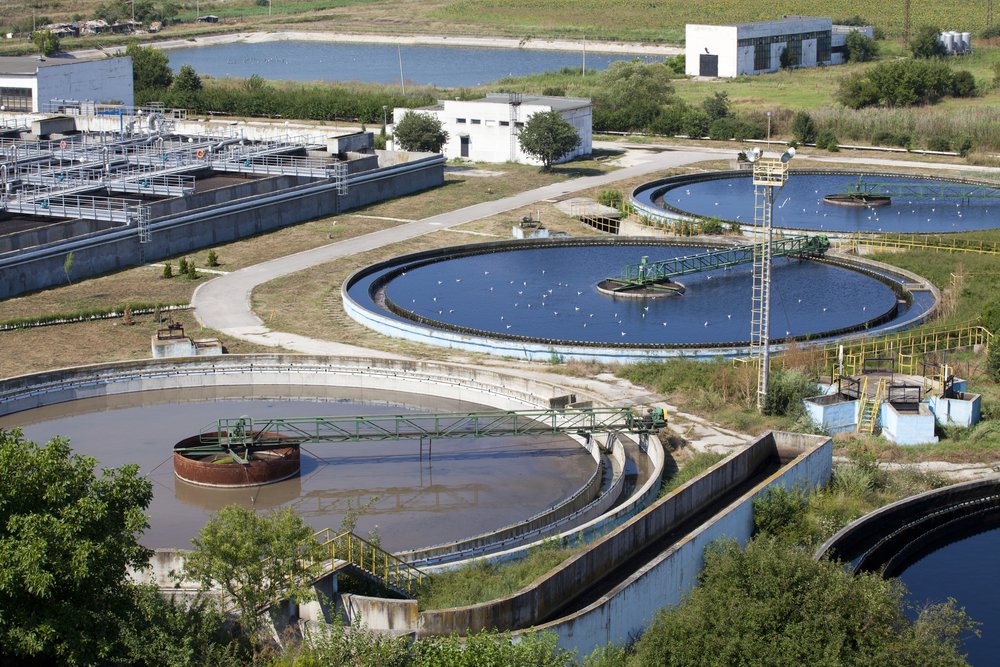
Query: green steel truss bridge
column 653, row 273
column 864, row 188
column 239, row 437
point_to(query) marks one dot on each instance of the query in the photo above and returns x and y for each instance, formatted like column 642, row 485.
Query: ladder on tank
column 868, row 407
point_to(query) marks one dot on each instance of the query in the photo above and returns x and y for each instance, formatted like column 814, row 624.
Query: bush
column 669, row 120
column 421, row 132
column 610, row 197
column 695, row 124
column 938, row 143
column 899, row 83
column 723, row 129
column 786, row 390
column 711, row 226
column 182, row 266
column 804, row 128
column 886, row 138
column 168, row 271
column 778, row 510
column 717, row 106
column 925, row 44
column 964, row 145
column 827, row 140
column 963, row 84
column 860, row 47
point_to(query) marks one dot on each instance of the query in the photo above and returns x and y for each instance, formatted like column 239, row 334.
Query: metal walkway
column 865, row 188
column 237, row 436
column 650, row 274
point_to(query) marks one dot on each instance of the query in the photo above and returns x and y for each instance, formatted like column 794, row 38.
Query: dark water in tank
column 468, row 485
column 443, row 66
column 967, row 571
column 551, row 293
column 799, row 204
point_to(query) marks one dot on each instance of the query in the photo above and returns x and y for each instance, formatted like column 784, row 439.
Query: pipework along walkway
column 863, row 188
column 238, row 437
column 646, row 274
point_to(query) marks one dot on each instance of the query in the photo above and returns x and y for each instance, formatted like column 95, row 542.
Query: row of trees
column 902, row 83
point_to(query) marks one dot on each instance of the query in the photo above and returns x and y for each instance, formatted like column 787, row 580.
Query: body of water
column 443, row 66
column 965, row 570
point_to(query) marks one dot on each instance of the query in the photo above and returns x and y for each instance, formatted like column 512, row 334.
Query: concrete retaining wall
column 878, row 537
column 598, row 623
column 178, row 234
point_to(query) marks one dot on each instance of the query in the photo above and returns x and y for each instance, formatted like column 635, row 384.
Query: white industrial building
column 727, row 51
column 486, row 129
column 29, row 83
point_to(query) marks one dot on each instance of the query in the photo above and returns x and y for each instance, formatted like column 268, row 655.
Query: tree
column 803, row 128
column 772, row 604
column 860, row 47
column 67, row 537
column 925, row 43
column 45, row 42
column 548, row 137
column 717, row 106
column 631, row 95
column 187, row 80
column 257, row 560
column 420, row 132
column 150, row 67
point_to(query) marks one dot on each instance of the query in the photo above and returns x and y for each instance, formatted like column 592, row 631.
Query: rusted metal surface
column 264, row 467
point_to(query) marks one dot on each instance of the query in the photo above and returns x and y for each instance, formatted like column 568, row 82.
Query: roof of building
column 790, row 20
column 555, row 103
column 31, row 64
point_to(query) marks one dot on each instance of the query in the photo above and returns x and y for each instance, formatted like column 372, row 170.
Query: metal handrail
column 394, row 573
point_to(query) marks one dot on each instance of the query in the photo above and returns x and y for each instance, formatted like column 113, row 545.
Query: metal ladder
column 868, row 407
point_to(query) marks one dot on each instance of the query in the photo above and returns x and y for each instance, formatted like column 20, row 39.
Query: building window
column 762, row 56
column 15, row 99
column 460, row 121
column 794, row 47
column 519, row 124
column 505, row 123
column 476, row 121
column 823, row 48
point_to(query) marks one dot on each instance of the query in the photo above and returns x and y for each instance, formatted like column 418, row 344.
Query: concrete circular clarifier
column 465, row 487
column 543, row 298
column 804, row 203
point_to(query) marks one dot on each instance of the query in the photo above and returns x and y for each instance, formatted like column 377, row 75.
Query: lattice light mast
column 769, row 174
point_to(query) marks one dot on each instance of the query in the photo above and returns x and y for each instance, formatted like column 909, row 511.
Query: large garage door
column 708, row 65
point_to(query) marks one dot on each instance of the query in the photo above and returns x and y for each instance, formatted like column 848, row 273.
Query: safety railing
column 395, row 574
column 922, row 242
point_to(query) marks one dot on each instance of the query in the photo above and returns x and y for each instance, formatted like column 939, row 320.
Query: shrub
column 925, row 44
column 182, row 266
column 778, row 510
column 860, row 47
column 938, row 143
column 669, row 120
column 963, row 84
column 554, row 91
column 695, row 124
column 168, row 271
column 717, row 106
column 213, row 258
column 804, row 128
column 610, row 197
column 421, row 132
column 899, row 83
column 723, row 129
column 886, row 138
column 786, row 390
column 711, row 226
column 964, row 145
column 825, row 139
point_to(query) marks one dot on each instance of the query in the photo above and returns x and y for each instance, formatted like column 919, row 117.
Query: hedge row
column 137, row 308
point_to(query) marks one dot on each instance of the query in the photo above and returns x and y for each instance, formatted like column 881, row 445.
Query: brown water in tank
column 468, row 486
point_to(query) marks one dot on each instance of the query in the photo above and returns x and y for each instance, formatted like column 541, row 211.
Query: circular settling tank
column 549, row 293
column 466, row 487
column 805, row 202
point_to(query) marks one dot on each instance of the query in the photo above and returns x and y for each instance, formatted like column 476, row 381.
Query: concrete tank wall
column 120, row 248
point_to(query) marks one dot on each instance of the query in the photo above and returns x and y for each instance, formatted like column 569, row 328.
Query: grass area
column 696, row 463
column 487, row 581
column 62, row 346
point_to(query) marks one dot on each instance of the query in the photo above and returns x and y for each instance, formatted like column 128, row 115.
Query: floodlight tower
column 769, row 174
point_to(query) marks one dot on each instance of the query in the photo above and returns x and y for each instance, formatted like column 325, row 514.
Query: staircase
column 868, row 406
column 349, row 551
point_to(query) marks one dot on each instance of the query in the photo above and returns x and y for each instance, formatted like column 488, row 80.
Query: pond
column 442, row 66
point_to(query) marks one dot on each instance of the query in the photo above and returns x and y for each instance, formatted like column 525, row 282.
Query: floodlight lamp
column 753, row 155
column 788, row 155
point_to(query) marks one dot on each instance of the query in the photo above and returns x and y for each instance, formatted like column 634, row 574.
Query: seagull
column 706, row 323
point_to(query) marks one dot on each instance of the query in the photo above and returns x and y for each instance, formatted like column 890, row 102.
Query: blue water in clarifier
column 551, row 293
column 965, row 570
column 799, row 205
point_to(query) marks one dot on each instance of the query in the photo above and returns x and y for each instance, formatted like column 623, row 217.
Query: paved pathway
column 224, row 303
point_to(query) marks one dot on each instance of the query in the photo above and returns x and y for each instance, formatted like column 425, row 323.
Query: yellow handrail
column 922, row 242
column 384, row 566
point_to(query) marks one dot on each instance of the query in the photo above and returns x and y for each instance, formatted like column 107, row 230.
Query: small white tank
column 949, row 41
column 967, row 41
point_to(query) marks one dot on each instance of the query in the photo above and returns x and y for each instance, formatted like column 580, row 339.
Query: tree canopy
column 632, row 93
column 187, row 80
column 925, row 43
column 150, row 68
column 420, row 132
column 548, row 137
column 45, row 42
column 67, row 537
column 772, row 604
column 860, row 47
column 255, row 559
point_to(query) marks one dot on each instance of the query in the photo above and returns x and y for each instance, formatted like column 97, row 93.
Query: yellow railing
column 377, row 562
column 869, row 406
column 906, row 347
column 922, row 242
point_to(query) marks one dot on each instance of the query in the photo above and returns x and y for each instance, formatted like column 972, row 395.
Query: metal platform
column 864, row 188
column 649, row 274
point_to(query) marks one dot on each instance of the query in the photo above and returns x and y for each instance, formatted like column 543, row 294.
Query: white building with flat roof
column 753, row 48
column 486, row 129
column 29, row 83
